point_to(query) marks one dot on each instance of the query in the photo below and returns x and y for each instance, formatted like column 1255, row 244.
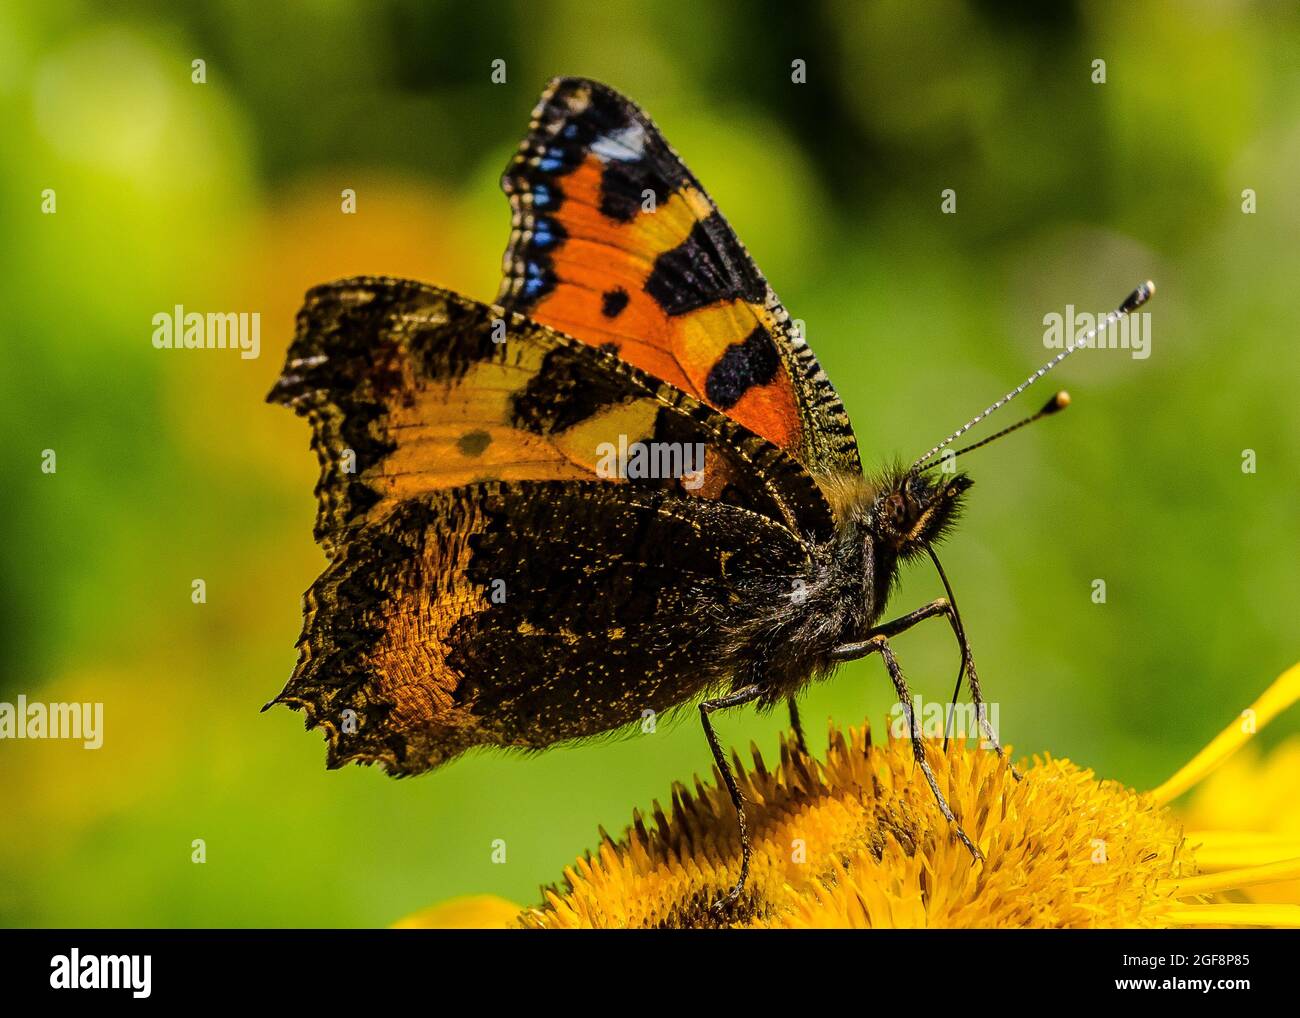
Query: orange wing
column 617, row 244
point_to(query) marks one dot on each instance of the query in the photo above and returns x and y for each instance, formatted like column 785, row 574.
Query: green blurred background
column 225, row 196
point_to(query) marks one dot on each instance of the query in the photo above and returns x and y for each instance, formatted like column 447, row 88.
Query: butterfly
column 625, row 487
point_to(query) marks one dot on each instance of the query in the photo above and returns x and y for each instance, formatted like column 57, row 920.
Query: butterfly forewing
column 411, row 389
column 616, row 243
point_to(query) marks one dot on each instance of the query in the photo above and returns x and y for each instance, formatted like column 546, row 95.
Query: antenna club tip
column 1054, row 405
column 1138, row 297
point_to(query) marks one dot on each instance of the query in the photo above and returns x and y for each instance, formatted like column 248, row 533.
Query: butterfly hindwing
column 520, row 614
column 615, row 242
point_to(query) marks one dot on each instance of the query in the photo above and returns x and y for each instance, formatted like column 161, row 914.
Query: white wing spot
column 626, row 146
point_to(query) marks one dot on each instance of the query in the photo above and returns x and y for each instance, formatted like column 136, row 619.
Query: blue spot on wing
column 547, row 233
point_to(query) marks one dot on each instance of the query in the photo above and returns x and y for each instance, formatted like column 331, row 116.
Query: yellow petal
column 1225, row 880
column 1221, row 850
column 1234, row 915
column 1278, row 697
column 472, row 912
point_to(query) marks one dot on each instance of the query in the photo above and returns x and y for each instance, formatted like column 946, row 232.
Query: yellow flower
column 472, row 912
column 856, row 841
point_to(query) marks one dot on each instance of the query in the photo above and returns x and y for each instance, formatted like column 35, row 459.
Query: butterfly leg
column 740, row 696
column 939, row 606
column 878, row 644
column 976, row 696
column 968, row 667
column 797, row 726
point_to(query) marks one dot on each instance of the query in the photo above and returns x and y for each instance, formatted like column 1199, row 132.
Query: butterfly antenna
column 1131, row 303
column 1054, row 405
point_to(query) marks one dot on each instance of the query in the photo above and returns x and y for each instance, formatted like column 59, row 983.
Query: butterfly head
column 914, row 511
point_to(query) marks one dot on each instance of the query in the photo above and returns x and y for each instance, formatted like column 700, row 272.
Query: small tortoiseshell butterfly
column 492, row 579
